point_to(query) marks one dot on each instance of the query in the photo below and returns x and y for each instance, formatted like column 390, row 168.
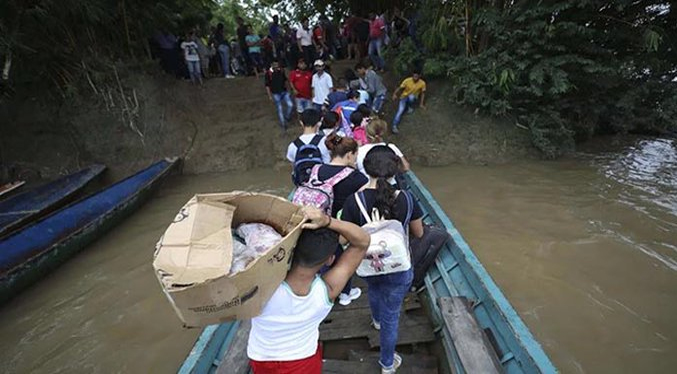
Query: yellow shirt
column 409, row 87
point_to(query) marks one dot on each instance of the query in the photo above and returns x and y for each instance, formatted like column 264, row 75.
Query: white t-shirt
column 190, row 51
column 364, row 97
column 306, row 138
column 306, row 37
column 289, row 325
column 363, row 150
column 322, row 86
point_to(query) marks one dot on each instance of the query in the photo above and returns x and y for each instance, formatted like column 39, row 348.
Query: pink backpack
column 319, row 194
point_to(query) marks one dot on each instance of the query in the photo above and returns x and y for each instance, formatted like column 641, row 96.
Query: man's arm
column 358, row 240
column 423, row 99
column 396, row 94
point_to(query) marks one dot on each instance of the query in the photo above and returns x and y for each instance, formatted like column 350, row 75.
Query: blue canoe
column 30, row 253
column 457, row 273
column 30, row 205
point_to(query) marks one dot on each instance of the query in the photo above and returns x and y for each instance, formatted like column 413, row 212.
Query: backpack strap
column 314, row 173
column 359, row 198
column 298, row 143
column 316, row 140
column 341, row 175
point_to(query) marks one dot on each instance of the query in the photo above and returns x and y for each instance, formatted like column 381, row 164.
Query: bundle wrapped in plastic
column 250, row 241
column 258, row 236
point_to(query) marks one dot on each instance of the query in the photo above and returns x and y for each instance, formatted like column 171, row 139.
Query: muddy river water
column 584, row 248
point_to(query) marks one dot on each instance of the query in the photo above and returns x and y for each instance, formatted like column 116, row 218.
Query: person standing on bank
column 322, row 85
column 386, row 292
column 276, row 86
column 411, row 89
column 300, row 81
column 374, row 86
column 192, row 58
column 223, row 47
column 305, row 40
column 284, row 337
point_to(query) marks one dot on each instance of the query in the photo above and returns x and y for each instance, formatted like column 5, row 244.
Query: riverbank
column 226, row 125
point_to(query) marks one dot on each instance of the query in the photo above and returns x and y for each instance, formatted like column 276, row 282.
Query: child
column 190, row 54
column 309, row 149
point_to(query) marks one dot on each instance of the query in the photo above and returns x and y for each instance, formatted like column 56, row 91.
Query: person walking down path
column 242, row 32
column 410, row 90
column 276, row 86
column 300, row 80
column 224, row 51
column 305, row 40
column 374, row 86
column 387, row 291
column 284, row 337
column 376, row 41
column 254, row 44
column 190, row 54
column 322, row 85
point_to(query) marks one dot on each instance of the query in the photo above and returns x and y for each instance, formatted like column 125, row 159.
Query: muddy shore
column 224, row 126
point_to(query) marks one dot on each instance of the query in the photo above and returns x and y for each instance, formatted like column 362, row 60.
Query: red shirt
column 301, row 81
column 376, row 28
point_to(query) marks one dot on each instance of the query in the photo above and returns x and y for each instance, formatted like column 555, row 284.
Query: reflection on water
column 585, row 249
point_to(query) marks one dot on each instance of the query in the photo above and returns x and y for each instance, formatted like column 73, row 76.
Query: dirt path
column 224, row 126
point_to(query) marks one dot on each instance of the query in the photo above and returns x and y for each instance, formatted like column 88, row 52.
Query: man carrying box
column 284, row 338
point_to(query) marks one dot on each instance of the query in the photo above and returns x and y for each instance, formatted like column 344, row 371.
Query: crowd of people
column 345, row 172
column 344, row 169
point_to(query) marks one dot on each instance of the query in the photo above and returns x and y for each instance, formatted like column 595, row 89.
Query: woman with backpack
column 378, row 208
column 345, row 182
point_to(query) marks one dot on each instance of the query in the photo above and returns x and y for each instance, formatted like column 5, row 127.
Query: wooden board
column 367, row 367
column 235, row 360
column 470, row 342
column 356, row 323
column 416, row 363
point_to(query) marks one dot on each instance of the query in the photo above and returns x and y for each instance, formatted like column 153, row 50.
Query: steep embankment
column 225, row 125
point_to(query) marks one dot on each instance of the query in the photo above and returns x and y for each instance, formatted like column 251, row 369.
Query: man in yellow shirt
column 410, row 90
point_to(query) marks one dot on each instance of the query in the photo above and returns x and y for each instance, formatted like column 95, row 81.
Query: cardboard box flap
column 197, row 246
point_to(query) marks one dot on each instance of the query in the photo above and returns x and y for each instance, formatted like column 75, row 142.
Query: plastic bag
column 258, row 236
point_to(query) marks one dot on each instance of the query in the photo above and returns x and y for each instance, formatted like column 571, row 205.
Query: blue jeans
column 377, row 104
column 281, row 114
column 224, row 51
column 404, row 103
column 386, row 294
column 375, row 46
column 303, row 104
column 194, row 71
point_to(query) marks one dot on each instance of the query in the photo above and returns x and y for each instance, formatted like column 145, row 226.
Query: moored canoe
column 35, row 250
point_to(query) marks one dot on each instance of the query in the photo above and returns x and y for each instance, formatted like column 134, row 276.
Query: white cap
column 318, row 62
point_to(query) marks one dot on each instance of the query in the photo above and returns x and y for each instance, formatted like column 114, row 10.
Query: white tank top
column 288, row 327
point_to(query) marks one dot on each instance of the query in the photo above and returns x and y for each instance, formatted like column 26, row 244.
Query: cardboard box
column 192, row 260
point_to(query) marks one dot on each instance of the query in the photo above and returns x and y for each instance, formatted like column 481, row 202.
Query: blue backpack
column 307, row 156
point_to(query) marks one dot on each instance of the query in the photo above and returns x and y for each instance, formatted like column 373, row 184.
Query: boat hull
column 45, row 256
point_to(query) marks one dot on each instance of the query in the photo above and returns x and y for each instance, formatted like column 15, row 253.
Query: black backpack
column 307, row 156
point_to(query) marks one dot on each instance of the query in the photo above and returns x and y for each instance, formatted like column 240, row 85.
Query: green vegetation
column 565, row 69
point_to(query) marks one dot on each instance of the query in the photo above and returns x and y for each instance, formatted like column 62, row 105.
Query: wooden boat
column 35, row 250
column 30, row 205
column 9, row 187
column 472, row 321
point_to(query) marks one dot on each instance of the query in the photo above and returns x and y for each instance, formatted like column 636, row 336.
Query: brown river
column 584, row 248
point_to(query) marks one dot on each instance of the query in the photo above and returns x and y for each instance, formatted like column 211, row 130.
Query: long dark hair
column 381, row 163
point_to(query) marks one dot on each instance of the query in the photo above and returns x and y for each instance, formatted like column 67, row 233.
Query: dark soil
column 226, row 125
